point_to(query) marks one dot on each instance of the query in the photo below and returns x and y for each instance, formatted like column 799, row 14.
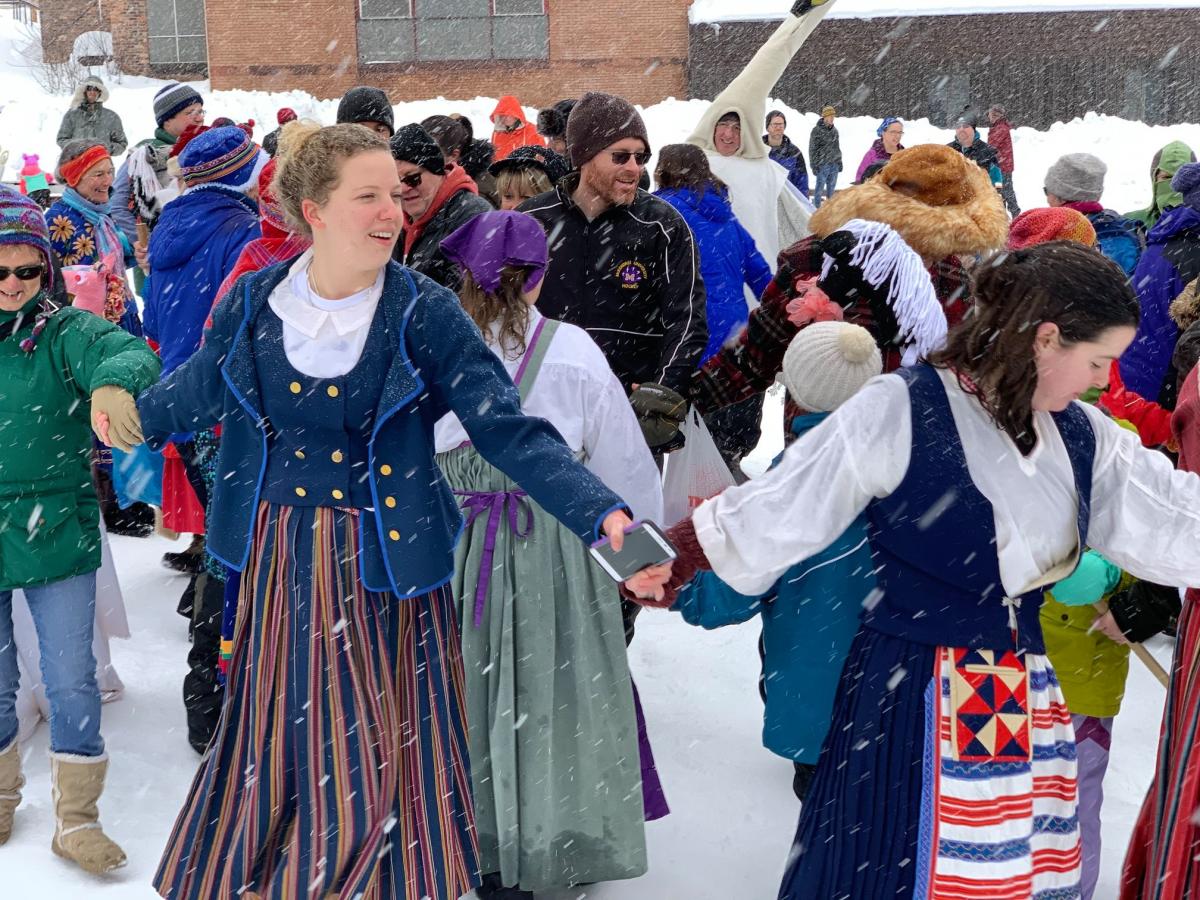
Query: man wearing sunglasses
column 437, row 198
column 622, row 262
column 623, row 266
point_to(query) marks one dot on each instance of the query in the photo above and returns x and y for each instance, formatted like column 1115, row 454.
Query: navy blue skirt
column 859, row 826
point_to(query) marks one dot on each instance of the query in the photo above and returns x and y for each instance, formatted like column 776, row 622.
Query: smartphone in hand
column 645, row 545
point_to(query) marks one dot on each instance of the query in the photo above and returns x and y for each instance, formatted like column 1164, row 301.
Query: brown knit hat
column 599, row 121
column 940, row 202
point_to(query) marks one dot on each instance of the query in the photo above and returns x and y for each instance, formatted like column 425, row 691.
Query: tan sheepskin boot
column 11, row 783
column 78, row 784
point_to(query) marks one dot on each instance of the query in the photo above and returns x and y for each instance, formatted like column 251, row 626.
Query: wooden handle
column 1140, row 651
column 143, row 233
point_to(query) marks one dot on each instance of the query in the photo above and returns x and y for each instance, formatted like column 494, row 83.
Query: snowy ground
column 733, row 812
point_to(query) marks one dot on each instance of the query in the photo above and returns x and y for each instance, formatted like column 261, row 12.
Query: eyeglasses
column 413, row 180
column 620, row 157
column 25, row 273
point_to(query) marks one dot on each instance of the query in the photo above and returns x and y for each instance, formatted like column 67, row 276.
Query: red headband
column 74, row 170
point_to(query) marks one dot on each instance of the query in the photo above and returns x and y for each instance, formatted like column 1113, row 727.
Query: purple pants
column 1093, row 737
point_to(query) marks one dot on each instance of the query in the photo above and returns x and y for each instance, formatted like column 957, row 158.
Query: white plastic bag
column 694, row 473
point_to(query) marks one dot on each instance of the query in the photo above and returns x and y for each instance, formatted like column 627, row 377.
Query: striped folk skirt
column 947, row 775
column 1163, row 860
column 340, row 765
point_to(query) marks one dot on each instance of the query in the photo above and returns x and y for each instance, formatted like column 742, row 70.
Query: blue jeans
column 64, row 613
column 826, row 183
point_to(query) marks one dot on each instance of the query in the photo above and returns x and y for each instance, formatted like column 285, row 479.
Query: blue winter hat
column 23, row 222
column 1187, row 182
column 173, row 99
column 222, row 156
column 885, row 125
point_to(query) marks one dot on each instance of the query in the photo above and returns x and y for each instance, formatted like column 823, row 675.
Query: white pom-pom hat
column 827, row 363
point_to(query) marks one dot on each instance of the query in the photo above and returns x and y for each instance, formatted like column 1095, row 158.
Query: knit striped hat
column 173, row 99
column 23, row 222
column 221, row 156
column 1050, row 223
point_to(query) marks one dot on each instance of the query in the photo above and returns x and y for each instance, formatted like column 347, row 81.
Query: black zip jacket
column 631, row 279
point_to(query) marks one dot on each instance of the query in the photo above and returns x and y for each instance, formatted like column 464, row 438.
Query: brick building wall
column 1044, row 67
column 64, row 20
column 637, row 50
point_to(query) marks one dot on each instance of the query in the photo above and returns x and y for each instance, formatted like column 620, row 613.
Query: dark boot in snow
column 202, row 688
column 190, row 561
column 493, row 889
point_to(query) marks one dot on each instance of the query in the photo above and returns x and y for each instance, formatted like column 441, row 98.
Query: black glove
column 1144, row 609
column 800, row 7
column 660, row 412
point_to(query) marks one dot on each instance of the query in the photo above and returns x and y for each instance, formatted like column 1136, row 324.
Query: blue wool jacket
column 791, row 158
column 1171, row 260
column 809, row 617
column 728, row 260
column 440, row 364
column 193, row 247
column 1118, row 239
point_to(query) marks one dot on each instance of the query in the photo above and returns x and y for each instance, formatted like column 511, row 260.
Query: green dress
column 553, row 737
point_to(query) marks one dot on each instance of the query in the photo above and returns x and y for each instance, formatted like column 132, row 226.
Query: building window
column 437, row 30
column 176, row 32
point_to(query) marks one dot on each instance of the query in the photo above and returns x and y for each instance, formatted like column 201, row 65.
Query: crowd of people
column 395, row 378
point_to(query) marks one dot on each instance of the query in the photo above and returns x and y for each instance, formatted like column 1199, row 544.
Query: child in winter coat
column 809, row 615
column 1090, row 654
column 35, row 183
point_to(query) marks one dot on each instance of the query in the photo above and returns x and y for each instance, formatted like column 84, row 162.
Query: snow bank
column 749, row 10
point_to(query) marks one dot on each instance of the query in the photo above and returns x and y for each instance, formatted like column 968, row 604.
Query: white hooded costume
column 764, row 201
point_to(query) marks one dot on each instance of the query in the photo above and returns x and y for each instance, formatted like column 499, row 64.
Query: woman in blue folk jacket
column 810, row 614
column 345, row 690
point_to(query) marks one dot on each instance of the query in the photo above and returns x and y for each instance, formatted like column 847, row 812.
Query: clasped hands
column 115, row 418
column 647, row 585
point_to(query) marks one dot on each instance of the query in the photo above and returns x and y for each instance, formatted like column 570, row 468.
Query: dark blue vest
column 318, row 429
column 934, row 537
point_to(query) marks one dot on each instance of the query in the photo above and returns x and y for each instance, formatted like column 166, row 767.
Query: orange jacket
column 525, row 135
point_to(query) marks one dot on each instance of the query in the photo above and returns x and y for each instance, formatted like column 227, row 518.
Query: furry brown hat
column 1185, row 309
column 940, row 202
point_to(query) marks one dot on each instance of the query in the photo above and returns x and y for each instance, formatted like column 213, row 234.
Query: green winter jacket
column 1169, row 159
column 49, row 515
column 1091, row 669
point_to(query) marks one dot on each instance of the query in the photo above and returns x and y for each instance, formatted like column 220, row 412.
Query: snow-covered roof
column 744, row 10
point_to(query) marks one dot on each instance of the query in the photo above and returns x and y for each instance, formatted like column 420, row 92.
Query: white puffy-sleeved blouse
column 1145, row 515
column 577, row 392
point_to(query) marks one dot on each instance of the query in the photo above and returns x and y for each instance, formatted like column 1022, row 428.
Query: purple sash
column 495, row 503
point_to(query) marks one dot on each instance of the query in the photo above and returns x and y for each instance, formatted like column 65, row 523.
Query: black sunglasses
column 25, row 273
column 620, row 157
column 413, row 180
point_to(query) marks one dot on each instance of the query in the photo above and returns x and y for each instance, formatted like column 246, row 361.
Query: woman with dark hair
column 729, row 263
column 982, row 481
column 784, row 152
